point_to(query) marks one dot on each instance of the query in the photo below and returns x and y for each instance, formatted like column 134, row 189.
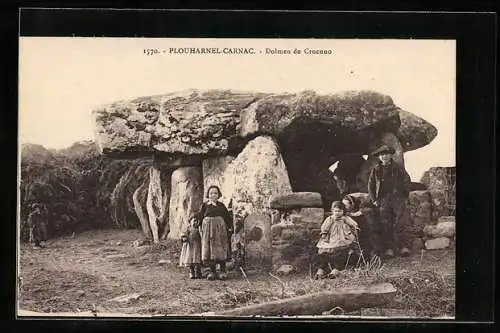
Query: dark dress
column 364, row 231
column 37, row 226
column 216, row 226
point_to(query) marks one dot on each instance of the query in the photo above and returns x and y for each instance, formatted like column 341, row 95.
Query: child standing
column 37, row 225
column 216, row 226
column 191, row 249
column 337, row 238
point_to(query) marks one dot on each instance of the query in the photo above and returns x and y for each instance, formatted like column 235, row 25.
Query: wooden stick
column 245, row 276
column 283, row 285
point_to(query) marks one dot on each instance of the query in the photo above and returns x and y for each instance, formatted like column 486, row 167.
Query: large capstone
column 216, row 122
column 254, row 146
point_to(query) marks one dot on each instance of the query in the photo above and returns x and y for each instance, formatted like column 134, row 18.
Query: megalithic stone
column 139, row 199
column 186, row 198
column 215, row 173
column 156, row 202
column 258, row 173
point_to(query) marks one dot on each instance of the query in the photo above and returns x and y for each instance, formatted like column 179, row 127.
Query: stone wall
column 440, row 235
column 441, row 182
column 295, row 229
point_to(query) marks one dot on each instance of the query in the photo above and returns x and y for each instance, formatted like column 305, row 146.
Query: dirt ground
column 85, row 272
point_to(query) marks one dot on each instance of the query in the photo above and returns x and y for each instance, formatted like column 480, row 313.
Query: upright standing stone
column 157, row 203
column 185, row 199
column 258, row 173
column 214, row 173
column 139, row 199
column 258, row 238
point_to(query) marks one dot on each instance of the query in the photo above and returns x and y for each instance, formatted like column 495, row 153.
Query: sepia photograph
column 236, row 177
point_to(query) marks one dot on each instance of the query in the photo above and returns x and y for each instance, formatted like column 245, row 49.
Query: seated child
column 337, row 240
column 191, row 249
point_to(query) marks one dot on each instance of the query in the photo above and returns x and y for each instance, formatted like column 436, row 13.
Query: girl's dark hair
column 338, row 204
column 216, row 187
column 353, row 201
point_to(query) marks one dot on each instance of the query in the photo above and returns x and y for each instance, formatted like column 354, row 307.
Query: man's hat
column 383, row 150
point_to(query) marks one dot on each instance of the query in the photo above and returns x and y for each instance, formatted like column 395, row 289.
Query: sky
column 61, row 79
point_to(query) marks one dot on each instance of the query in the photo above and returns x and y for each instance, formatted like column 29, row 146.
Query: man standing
column 389, row 188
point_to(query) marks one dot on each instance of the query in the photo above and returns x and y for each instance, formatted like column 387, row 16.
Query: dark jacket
column 400, row 179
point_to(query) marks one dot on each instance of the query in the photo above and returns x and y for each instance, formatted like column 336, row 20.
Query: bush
column 81, row 189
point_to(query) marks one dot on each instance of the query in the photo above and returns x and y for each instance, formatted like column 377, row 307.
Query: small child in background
column 337, row 239
column 37, row 223
column 353, row 210
column 238, row 245
column 191, row 249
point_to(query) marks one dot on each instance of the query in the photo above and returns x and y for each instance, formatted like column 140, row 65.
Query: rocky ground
column 93, row 270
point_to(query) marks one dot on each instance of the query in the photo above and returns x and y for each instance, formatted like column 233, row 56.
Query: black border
column 476, row 60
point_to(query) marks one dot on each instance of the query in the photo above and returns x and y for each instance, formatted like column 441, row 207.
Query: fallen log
column 348, row 299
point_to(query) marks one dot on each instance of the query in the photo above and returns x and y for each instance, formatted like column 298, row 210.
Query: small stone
column 437, row 243
column 285, row 270
column 446, row 219
column 126, row 298
column 139, row 243
column 442, row 229
column 80, row 293
column 162, row 262
column 300, row 292
column 118, row 243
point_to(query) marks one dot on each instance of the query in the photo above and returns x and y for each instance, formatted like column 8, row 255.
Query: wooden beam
column 317, row 303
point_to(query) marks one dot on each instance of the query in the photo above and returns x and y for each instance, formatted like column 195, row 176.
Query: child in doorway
column 337, row 241
column 191, row 249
